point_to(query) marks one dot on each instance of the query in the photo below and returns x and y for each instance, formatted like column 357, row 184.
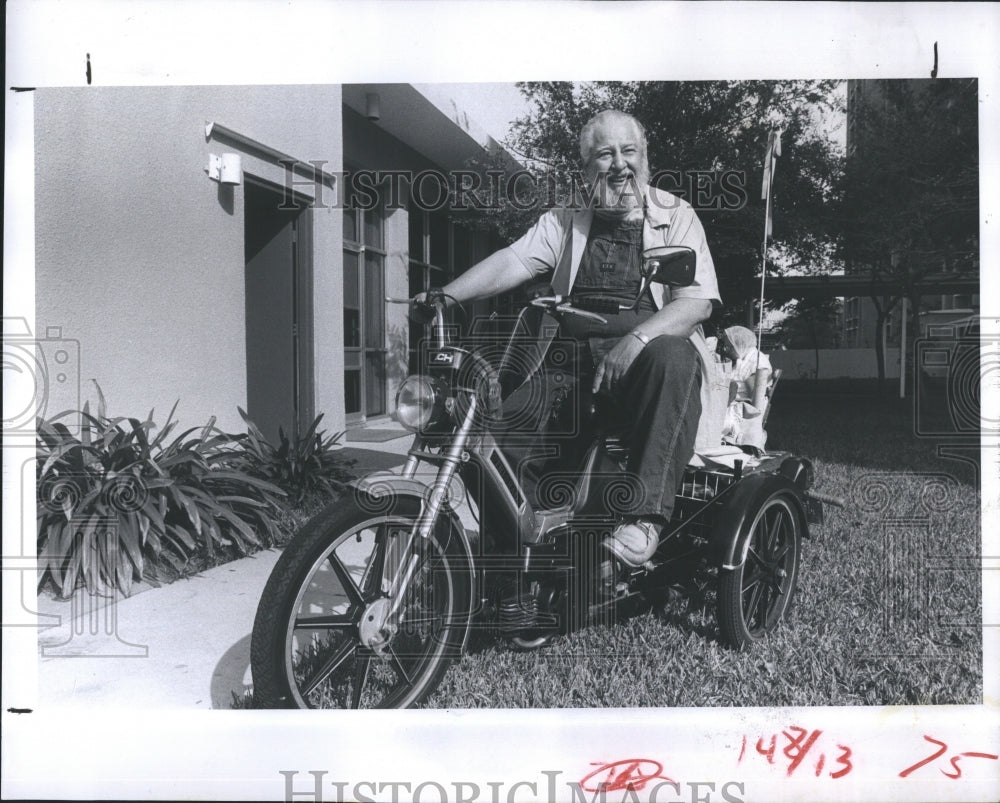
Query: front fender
column 373, row 490
column 731, row 531
column 377, row 490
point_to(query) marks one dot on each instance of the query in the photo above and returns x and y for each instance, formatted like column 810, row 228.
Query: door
column 278, row 311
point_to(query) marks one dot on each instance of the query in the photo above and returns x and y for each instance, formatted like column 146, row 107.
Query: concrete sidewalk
column 183, row 645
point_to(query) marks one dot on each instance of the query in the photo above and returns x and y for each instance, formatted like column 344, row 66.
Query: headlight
column 418, row 403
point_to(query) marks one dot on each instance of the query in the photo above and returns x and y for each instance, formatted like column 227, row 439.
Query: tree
column 699, row 132
column 810, row 323
column 912, row 193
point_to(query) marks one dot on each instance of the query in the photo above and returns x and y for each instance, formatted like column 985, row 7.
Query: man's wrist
column 642, row 337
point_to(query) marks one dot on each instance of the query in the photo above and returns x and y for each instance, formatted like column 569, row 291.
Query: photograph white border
column 240, row 754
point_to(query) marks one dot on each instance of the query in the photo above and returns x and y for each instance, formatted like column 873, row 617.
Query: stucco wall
column 397, row 324
column 140, row 257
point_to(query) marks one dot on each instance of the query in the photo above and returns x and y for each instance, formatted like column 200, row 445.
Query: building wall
column 140, row 257
column 934, row 308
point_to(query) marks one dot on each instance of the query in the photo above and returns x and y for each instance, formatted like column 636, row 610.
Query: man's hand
column 616, row 362
column 421, row 308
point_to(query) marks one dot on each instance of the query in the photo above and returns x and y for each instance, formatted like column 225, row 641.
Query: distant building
column 253, row 287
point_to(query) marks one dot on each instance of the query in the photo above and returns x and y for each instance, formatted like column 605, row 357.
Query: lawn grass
column 888, row 610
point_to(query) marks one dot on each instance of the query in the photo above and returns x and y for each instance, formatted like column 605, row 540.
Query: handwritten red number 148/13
column 799, row 742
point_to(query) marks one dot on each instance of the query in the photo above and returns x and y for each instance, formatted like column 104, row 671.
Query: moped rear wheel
column 312, row 638
column 756, row 596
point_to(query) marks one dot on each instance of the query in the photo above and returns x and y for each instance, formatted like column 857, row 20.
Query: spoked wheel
column 317, row 638
column 756, row 596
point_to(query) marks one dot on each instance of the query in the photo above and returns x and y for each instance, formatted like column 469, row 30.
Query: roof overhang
column 427, row 121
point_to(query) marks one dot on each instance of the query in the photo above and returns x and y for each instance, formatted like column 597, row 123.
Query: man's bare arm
column 498, row 273
column 679, row 317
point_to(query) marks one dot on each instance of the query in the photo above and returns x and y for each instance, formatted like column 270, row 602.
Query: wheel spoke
column 350, row 587
column 763, row 605
column 752, row 553
column 772, row 532
column 756, row 576
column 326, row 622
column 361, row 665
column 329, row 666
column 756, row 589
column 398, row 664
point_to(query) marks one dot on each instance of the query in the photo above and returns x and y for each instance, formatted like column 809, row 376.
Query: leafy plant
column 301, row 465
column 117, row 504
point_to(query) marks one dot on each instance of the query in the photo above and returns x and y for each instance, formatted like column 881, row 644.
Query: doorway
column 278, row 280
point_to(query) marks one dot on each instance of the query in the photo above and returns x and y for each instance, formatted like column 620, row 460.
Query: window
column 364, row 311
column 430, row 262
column 440, row 249
column 852, row 317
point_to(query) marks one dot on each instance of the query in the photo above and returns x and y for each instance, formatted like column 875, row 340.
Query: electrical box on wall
column 227, row 169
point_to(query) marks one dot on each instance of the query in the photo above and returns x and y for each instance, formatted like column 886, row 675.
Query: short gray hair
column 587, row 132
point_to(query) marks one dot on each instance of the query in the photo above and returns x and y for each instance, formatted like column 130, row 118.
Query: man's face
column 616, row 165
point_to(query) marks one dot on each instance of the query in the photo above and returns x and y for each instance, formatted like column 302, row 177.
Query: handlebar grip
column 829, row 499
column 595, row 304
column 425, row 311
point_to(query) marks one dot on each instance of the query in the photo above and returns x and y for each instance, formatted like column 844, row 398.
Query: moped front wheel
column 755, row 597
column 316, row 640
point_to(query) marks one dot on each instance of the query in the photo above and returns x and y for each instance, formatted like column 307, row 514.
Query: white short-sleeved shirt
column 555, row 245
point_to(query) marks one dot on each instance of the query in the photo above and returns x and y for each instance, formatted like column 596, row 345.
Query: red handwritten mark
column 796, row 750
column 800, row 742
column 927, row 760
column 845, row 759
column 953, row 761
column 629, row 773
column 769, row 752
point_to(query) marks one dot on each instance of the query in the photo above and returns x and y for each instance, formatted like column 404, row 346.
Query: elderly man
column 651, row 361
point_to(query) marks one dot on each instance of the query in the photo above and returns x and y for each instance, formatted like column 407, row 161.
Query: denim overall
column 658, row 402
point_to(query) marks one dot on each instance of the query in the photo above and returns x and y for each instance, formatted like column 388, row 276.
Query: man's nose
column 618, row 162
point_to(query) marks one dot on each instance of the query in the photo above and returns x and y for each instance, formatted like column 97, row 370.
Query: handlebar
column 433, row 308
column 596, row 304
column 564, row 304
column 586, row 307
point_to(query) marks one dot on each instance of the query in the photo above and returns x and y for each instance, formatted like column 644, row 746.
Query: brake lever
column 560, row 304
column 546, row 302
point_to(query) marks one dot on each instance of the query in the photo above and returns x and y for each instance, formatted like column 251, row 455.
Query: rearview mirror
column 669, row 264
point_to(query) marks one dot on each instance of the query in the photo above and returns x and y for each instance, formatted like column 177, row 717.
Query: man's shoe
column 634, row 544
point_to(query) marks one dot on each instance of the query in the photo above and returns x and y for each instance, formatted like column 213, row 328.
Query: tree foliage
column 912, row 188
column 913, row 184
column 698, row 126
column 810, row 324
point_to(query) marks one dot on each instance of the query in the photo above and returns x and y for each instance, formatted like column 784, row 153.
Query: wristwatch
column 640, row 336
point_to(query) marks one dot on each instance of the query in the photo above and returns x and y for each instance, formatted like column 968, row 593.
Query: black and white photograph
column 629, row 432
